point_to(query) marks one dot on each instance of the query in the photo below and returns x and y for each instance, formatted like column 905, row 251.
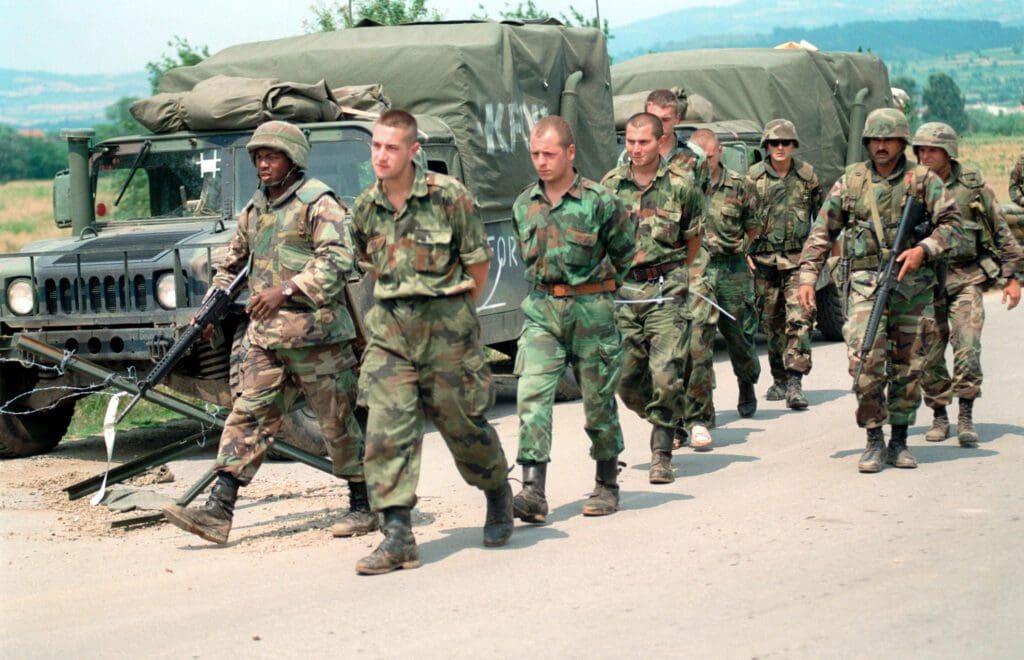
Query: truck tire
column 830, row 313
column 35, row 433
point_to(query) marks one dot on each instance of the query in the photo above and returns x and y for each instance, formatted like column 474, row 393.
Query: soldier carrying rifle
column 868, row 202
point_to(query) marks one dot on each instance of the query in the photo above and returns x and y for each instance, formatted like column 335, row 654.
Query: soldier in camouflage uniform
column 985, row 253
column 1017, row 182
column 782, row 194
column 664, row 104
column 729, row 277
column 866, row 205
column 420, row 236
column 291, row 233
column 576, row 240
column 666, row 207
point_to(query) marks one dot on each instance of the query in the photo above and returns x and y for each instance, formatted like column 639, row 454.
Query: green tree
column 944, row 102
column 30, row 157
column 338, row 15
column 185, row 54
column 119, row 120
column 906, row 83
column 527, row 10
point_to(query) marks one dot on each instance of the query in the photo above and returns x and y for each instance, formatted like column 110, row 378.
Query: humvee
column 148, row 214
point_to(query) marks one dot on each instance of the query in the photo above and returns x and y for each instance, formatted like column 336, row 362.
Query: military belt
column 870, row 262
column 568, row 290
column 653, row 272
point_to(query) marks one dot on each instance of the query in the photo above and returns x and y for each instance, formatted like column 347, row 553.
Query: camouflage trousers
column 270, row 382
column 655, row 337
column 699, row 372
column 733, row 286
column 580, row 331
column 423, row 361
column 905, row 336
column 786, row 323
column 959, row 317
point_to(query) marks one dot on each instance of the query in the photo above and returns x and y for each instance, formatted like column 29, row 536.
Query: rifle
column 914, row 213
column 214, row 307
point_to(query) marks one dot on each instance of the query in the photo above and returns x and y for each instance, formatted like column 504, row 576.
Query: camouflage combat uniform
column 783, row 209
column 699, row 373
column 984, row 252
column 423, row 359
column 584, row 239
column 1017, row 182
column 728, row 275
column 304, row 346
column 907, row 329
column 655, row 335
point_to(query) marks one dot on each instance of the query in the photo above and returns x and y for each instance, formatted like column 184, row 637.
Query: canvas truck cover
column 488, row 82
column 813, row 89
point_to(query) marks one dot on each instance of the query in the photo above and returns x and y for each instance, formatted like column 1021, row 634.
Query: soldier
column 727, row 274
column 782, row 194
column 866, row 204
column 577, row 245
column 300, row 331
column 420, row 236
column 1017, row 182
column 984, row 253
column 664, row 104
column 666, row 207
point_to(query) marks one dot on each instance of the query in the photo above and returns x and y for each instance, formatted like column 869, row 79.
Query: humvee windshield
column 165, row 184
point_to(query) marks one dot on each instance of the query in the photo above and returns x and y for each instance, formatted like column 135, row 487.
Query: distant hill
column 50, row 101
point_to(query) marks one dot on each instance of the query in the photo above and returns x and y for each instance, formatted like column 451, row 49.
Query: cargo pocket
column 476, row 384
column 433, row 250
column 292, row 260
column 666, row 226
column 579, row 247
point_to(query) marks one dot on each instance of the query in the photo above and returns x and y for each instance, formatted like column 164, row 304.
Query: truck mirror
column 62, row 199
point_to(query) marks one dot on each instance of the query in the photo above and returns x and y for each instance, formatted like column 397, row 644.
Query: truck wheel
column 301, row 430
column 830, row 313
column 35, row 433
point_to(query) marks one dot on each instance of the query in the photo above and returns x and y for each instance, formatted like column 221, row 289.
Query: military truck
column 148, row 214
column 826, row 94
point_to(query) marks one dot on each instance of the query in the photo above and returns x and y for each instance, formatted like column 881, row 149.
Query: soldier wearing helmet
column 1017, row 182
column 781, row 194
column 299, row 333
column 985, row 253
column 866, row 204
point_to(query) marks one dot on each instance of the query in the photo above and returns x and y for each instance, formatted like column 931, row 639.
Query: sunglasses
column 779, row 143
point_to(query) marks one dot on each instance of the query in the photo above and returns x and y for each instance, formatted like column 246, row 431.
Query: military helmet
column 282, row 136
column 886, row 123
column 936, row 134
column 779, row 129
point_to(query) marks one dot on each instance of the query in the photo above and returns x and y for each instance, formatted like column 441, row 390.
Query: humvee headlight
column 166, row 294
column 19, row 296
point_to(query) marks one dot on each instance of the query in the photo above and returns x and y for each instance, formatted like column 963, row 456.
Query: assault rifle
column 214, row 307
column 913, row 221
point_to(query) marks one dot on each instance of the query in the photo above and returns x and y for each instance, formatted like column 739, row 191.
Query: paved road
column 772, row 545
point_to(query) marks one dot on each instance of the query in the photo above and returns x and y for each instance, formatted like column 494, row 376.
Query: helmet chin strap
column 279, row 182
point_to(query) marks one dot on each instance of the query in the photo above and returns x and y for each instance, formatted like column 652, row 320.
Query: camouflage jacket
column 847, row 206
column 666, row 212
column 782, row 208
column 423, row 248
column 985, row 250
column 1017, row 182
column 299, row 237
column 688, row 157
column 586, row 237
column 725, row 224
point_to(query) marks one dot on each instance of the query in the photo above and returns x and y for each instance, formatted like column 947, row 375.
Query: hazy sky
column 115, row 36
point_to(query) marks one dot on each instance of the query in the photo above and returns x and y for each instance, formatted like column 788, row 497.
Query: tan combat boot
column 661, row 456
column 359, row 520
column 940, row 426
column 397, row 550
column 213, row 521
column 965, row 432
column 871, row 459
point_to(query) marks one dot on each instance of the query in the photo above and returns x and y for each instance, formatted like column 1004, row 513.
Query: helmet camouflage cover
column 282, row 136
column 779, row 129
column 936, row 134
column 886, row 123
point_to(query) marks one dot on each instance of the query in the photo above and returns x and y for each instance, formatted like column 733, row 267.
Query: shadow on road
column 691, row 464
column 817, row 397
column 930, row 453
column 464, row 538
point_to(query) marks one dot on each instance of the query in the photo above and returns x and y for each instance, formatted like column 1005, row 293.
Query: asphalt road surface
column 770, row 546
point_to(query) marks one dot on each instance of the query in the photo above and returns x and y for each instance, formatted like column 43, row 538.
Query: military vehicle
column 148, row 214
column 827, row 95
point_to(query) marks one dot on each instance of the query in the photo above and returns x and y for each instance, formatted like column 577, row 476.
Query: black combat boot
column 605, row 498
column 661, row 455
column 747, row 405
column 397, row 550
column 498, row 524
column 940, row 426
column 777, row 392
column 898, row 454
column 213, row 521
column 965, row 432
column 529, row 505
column 795, row 399
column 359, row 520
column 871, row 459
